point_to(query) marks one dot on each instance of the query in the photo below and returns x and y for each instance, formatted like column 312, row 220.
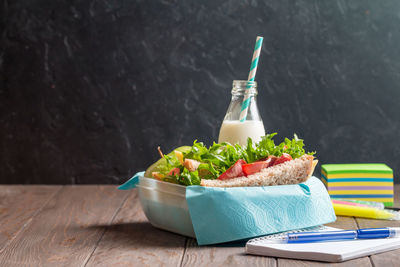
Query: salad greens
column 217, row 158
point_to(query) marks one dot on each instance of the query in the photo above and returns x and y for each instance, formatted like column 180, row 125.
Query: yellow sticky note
column 364, row 212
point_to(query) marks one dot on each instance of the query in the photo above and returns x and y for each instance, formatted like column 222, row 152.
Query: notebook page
column 321, row 251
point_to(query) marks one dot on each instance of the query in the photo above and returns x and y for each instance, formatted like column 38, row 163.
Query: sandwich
column 226, row 165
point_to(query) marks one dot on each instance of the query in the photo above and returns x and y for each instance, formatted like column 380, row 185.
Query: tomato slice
column 254, row 167
column 174, row 171
column 241, row 168
column 285, row 157
column 234, row 171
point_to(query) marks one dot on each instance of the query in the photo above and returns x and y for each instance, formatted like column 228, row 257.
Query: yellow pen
column 364, row 212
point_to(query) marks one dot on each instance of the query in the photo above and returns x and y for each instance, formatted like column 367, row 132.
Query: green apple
column 154, row 166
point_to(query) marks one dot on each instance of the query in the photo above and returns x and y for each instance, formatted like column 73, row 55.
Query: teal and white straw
column 252, row 76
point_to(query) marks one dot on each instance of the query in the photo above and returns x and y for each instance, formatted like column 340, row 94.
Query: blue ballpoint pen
column 368, row 233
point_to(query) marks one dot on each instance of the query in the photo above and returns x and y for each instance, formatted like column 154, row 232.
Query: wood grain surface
column 64, row 233
column 18, row 204
column 132, row 241
column 101, row 226
column 230, row 254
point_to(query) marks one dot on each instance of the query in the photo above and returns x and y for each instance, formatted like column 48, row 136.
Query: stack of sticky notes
column 370, row 181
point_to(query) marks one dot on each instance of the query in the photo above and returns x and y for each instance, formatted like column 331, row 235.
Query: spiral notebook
column 322, row 251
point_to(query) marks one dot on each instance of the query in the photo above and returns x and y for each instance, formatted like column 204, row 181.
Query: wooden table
column 97, row 225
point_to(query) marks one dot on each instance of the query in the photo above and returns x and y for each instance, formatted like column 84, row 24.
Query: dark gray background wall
column 89, row 89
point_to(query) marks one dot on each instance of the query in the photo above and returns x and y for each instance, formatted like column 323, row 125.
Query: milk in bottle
column 232, row 129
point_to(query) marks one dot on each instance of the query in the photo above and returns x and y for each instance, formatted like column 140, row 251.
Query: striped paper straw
column 252, row 76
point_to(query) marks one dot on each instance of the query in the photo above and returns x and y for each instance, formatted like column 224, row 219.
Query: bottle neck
column 239, row 90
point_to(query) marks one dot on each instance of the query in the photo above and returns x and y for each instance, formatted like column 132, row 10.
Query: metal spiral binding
column 280, row 236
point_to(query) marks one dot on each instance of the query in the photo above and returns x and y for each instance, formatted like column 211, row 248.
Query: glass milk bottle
column 232, row 129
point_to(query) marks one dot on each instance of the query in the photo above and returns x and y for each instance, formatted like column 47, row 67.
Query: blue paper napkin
column 131, row 183
column 227, row 214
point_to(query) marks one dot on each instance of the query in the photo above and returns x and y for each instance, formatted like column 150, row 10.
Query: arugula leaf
column 189, row 178
column 251, row 153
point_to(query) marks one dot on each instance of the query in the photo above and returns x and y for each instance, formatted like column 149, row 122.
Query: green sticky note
column 356, row 168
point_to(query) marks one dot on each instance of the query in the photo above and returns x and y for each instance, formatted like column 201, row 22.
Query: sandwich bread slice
column 290, row 172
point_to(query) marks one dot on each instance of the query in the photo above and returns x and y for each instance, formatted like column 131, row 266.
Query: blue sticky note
column 228, row 214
